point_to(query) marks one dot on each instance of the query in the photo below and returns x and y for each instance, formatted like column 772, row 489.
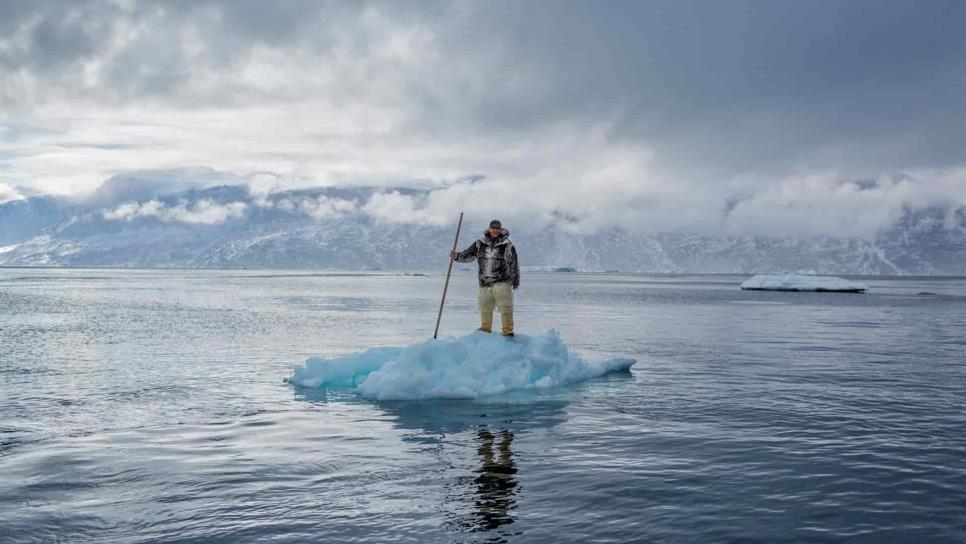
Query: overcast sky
column 805, row 117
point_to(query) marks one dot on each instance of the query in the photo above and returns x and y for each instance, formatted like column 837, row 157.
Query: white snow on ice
column 801, row 282
column 471, row 366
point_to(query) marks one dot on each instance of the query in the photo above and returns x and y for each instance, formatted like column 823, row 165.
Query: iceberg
column 801, row 282
column 467, row 367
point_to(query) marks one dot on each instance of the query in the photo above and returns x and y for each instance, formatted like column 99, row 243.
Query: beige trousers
column 499, row 295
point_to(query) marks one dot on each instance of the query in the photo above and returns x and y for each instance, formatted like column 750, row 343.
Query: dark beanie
column 496, row 223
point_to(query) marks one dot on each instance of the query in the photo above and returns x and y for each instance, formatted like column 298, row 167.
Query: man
column 499, row 274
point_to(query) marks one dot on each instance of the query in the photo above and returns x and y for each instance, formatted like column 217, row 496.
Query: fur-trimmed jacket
column 497, row 259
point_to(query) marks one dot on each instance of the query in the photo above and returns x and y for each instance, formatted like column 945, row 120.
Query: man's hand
column 454, row 254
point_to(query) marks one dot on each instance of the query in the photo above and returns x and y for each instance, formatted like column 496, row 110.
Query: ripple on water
column 148, row 407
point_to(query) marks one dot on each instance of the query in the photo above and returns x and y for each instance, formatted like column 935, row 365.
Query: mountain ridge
column 219, row 226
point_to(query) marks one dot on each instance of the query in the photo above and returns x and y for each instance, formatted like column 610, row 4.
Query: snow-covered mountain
column 137, row 222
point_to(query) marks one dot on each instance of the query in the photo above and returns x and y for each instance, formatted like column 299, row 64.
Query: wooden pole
column 448, row 272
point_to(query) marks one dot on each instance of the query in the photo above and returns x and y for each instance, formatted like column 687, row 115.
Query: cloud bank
column 320, row 207
column 8, row 193
column 203, row 212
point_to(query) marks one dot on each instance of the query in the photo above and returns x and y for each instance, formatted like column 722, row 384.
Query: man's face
column 495, row 232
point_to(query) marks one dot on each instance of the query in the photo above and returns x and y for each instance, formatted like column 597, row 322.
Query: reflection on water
column 474, row 445
column 475, row 449
column 484, row 501
column 437, row 419
column 496, row 484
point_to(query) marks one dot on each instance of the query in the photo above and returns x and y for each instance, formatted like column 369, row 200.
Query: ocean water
column 151, row 406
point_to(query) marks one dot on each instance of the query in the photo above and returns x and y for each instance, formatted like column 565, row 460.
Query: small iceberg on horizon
column 802, row 282
column 467, row 367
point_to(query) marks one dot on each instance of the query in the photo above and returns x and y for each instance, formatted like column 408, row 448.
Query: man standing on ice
column 499, row 274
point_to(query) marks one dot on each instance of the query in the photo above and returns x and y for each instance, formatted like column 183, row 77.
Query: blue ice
column 470, row 366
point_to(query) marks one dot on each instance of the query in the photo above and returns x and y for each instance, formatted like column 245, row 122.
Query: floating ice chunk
column 801, row 282
column 463, row 367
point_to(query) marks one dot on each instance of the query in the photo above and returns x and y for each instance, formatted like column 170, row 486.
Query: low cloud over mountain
column 404, row 228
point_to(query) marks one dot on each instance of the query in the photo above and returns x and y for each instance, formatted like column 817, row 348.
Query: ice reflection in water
column 473, row 443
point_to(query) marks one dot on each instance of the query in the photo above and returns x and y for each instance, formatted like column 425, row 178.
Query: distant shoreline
column 424, row 273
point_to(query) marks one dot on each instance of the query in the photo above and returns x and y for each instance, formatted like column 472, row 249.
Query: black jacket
column 497, row 259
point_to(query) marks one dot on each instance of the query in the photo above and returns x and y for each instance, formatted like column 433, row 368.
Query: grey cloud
column 734, row 85
column 666, row 62
column 45, row 36
column 732, row 99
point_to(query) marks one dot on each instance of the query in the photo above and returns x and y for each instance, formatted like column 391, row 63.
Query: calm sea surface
column 141, row 405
